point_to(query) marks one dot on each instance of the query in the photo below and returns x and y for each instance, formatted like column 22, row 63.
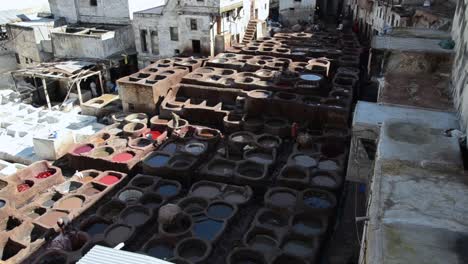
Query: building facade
column 380, row 17
column 459, row 78
column 98, row 11
column 31, row 41
column 293, row 11
column 196, row 27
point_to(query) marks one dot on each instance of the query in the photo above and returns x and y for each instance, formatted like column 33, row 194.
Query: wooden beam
column 78, row 88
column 44, row 84
column 100, row 82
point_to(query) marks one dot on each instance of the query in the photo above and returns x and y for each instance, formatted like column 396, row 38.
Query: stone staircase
column 250, row 31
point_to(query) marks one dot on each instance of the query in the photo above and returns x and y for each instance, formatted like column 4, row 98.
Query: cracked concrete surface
column 417, row 212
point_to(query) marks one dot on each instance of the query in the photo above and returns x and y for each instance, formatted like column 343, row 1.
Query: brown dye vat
column 3, row 184
column 93, row 190
column 74, row 202
column 51, row 218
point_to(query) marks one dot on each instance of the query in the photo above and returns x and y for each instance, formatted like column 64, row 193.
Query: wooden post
column 78, row 88
column 44, row 84
column 100, row 82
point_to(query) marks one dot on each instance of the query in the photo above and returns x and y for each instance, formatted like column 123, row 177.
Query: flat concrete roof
column 375, row 114
column 419, row 193
column 413, row 44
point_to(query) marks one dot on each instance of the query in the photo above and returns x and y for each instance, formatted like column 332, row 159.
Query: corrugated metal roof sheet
column 103, row 255
column 12, row 16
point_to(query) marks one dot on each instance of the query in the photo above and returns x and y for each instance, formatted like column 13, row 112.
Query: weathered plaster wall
column 68, row 45
column 106, row 11
column 291, row 10
column 459, row 81
column 31, row 43
column 178, row 15
column 64, row 8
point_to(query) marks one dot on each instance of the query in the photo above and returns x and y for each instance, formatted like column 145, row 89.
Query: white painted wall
column 67, row 45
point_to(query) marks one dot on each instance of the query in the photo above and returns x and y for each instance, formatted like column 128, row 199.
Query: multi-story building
column 197, row 27
column 380, row 16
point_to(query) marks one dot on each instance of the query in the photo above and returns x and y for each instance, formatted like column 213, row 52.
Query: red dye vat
column 122, row 157
column 109, row 180
column 44, row 174
column 83, row 149
column 154, row 134
column 23, row 187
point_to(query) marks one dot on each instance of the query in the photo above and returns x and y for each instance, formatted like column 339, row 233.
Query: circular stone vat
column 325, row 179
column 135, row 215
column 182, row 123
column 109, row 179
column 261, row 156
column 182, row 225
column 94, row 226
column 245, row 256
column 318, row 199
column 192, row 249
column 102, row 152
column 69, row 186
column 167, row 188
column 181, row 161
column 193, row 205
column 70, row 203
column 134, row 127
column 207, row 190
column 293, row 173
column 251, row 169
column 159, row 249
column 220, row 211
column 242, row 137
column 272, row 219
column 262, row 241
column 328, row 165
column 281, row 197
column 142, row 181
column 298, row 247
column 151, row 200
column 117, row 234
column 141, row 143
column 50, row 219
column 45, row 174
column 157, row 160
column 130, row 195
column 311, row 77
column 111, row 209
column 286, row 96
column 268, row 141
column 25, row 186
column 288, row 259
column 2, row 203
column 237, row 195
column 207, row 133
column 123, row 157
column 308, row 225
column 259, row 94
column 100, row 138
column 137, row 118
column 221, row 167
column 195, row 148
column 304, row 161
column 83, row 149
column 118, row 117
column 52, row 257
